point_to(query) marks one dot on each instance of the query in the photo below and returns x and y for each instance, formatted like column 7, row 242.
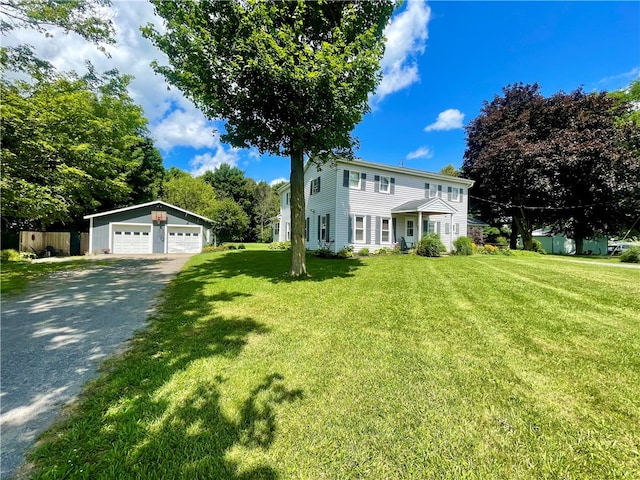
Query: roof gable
column 148, row 204
column 433, row 205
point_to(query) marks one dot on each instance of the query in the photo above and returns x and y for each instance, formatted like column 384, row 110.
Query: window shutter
column 328, row 226
column 392, row 187
column 376, row 187
column 461, row 192
column 363, row 181
column 369, row 229
column 378, row 227
column 306, row 228
column 345, row 178
column 426, row 190
column 439, row 191
column 425, row 227
column 318, row 184
column 319, row 226
column 311, row 188
column 449, row 193
column 350, row 239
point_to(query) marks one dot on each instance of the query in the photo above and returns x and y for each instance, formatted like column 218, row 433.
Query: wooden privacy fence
column 60, row 241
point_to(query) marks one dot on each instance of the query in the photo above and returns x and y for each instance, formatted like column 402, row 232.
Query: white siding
column 320, row 204
column 343, row 203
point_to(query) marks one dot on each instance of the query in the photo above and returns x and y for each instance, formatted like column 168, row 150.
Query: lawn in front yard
column 380, row 367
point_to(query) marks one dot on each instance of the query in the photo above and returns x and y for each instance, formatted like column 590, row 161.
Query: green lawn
column 388, row 367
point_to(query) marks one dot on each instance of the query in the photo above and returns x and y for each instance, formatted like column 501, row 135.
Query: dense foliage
column 430, row 245
column 71, row 146
column 289, row 78
column 563, row 161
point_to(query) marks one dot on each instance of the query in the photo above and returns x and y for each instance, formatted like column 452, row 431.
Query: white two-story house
column 364, row 204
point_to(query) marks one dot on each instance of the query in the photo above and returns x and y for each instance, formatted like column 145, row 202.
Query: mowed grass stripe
column 384, row 367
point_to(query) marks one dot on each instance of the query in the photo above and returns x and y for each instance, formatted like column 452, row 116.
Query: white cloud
column 209, row 161
column 184, row 128
column 406, row 36
column 450, row 119
column 173, row 119
column 422, row 152
column 277, row 180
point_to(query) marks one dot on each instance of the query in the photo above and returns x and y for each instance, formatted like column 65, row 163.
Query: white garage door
column 131, row 239
column 185, row 240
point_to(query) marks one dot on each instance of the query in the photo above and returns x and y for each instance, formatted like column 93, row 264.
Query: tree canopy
column 87, row 18
column 562, row 161
column 289, row 78
column 69, row 148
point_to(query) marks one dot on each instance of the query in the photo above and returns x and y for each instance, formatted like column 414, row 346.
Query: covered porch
column 411, row 220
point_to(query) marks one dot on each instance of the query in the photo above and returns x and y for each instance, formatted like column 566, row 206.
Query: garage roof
column 142, row 205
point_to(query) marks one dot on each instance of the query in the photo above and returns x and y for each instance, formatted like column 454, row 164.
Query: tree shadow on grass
column 273, row 266
column 158, row 410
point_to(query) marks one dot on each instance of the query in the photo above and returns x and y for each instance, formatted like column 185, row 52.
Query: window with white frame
column 385, row 230
column 435, row 190
column 447, row 228
column 354, row 180
column 385, row 184
column 410, row 228
column 315, row 186
column 433, row 227
column 455, row 194
column 276, row 229
column 323, row 228
column 359, row 229
column 287, row 198
column 288, row 231
column 456, row 228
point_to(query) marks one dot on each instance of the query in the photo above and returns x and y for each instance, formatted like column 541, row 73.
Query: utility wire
column 530, row 207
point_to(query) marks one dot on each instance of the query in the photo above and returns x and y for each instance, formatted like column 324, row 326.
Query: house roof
column 142, row 205
column 475, row 222
column 433, row 205
column 412, row 171
column 389, row 168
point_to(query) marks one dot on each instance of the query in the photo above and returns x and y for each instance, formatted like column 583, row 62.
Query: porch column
column 419, row 226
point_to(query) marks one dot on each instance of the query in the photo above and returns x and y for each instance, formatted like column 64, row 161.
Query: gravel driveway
column 54, row 337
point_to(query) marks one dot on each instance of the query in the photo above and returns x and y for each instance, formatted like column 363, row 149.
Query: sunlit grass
column 381, row 367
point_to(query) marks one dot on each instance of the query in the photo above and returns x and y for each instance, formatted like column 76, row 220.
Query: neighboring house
column 558, row 244
column 371, row 205
column 153, row 227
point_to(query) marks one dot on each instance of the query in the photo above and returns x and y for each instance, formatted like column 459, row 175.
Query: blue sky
column 443, row 60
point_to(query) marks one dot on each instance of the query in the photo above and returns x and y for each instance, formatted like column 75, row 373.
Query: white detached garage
column 153, row 227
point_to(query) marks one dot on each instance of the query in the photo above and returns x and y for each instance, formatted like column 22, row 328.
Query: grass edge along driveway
column 390, row 367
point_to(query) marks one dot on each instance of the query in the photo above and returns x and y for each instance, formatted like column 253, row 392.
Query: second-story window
column 385, row 184
column 354, row 180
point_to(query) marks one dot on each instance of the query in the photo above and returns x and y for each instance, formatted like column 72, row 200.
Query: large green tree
column 266, row 206
column 68, row 148
column 290, row 78
column 629, row 99
column 189, row 193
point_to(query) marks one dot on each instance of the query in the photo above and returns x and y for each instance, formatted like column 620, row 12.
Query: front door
column 410, row 233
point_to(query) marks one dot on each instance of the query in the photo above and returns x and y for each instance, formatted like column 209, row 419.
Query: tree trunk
column 524, row 228
column 513, row 238
column 298, row 248
column 579, row 244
